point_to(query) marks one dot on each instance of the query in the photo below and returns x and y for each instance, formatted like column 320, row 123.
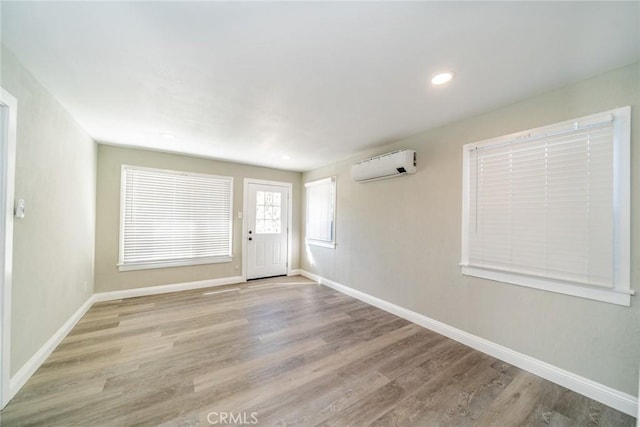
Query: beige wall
column 399, row 240
column 54, row 244
column 110, row 159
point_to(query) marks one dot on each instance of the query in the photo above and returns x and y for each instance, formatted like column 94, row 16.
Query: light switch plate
column 19, row 210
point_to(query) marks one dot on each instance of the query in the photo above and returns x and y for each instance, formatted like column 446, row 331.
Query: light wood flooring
column 276, row 353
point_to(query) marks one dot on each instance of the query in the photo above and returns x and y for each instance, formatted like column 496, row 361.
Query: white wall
column 54, row 244
column 399, row 240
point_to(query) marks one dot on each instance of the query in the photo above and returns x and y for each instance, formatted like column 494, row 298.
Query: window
column 321, row 212
column 171, row 218
column 549, row 208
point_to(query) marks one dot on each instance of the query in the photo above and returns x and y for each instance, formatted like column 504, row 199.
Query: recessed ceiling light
column 285, row 157
column 167, row 136
column 442, row 78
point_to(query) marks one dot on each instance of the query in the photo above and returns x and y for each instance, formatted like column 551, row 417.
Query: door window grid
column 268, row 212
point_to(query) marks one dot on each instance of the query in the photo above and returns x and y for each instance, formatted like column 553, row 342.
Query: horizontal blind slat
column 171, row 215
column 541, row 207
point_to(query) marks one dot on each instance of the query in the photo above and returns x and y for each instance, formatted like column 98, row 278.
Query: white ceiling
column 254, row 82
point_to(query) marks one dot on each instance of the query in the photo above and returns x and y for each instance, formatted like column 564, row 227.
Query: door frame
column 245, row 205
column 7, row 189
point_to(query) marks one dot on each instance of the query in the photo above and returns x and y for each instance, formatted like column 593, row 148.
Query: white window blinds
column 320, row 225
column 544, row 205
column 174, row 218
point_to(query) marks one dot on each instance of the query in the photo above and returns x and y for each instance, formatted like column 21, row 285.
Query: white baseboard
column 28, row 369
column 296, row 272
column 614, row 398
column 163, row 289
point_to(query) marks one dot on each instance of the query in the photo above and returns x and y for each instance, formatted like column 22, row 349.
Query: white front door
column 267, row 234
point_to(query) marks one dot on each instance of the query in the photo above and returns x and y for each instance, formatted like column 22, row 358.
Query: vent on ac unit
column 388, row 165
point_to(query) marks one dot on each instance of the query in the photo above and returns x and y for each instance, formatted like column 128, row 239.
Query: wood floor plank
column 217, row 376
column 431, row 377
column 471, row 402
column 318, row 400
column 516, row 403
column 291, row 352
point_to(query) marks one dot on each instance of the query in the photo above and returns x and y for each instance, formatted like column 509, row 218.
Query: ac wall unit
column 388, row 165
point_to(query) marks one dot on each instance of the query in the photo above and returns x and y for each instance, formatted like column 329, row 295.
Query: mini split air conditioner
column 388, row 165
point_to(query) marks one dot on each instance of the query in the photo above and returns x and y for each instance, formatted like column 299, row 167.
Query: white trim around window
column 320, row 227
column 549, row 208
column 172, row 218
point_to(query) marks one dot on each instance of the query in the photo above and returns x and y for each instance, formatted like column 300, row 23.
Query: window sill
column 613, row 296
column 321, row 243
column 168, row 264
